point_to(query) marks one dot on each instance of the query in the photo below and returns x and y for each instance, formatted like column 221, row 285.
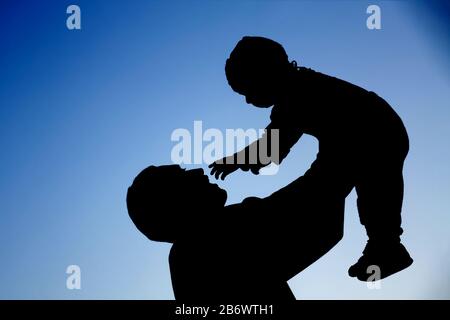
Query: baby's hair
column 257, row 58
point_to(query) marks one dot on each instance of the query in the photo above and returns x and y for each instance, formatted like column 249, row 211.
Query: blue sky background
column 82, row 112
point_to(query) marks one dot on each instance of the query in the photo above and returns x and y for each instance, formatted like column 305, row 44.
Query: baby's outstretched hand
column 223, row 167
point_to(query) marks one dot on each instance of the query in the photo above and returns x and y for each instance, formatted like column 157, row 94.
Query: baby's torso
column 334, row 111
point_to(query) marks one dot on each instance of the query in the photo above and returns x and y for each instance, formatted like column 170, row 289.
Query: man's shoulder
column 248, row 203
column 252, row 201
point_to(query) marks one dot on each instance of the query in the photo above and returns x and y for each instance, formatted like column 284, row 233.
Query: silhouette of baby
column 245, row 251
column 362, row 142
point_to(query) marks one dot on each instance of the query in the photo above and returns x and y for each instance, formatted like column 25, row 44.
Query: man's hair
column 255, row 59
column 155, row 201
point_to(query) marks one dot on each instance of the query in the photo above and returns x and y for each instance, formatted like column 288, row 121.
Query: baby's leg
column 380, row 197
column 379, row 177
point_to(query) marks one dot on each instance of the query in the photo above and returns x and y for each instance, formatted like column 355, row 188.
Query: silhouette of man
column 362, row 142
column 245, row 251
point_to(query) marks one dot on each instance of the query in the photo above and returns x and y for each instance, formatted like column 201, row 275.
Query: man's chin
column 224, row 195
column 263, row 105
column 221, row 195
column 216, row 196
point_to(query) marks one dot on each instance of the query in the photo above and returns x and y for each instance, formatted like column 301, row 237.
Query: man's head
column 165, row 201
column 257, row 68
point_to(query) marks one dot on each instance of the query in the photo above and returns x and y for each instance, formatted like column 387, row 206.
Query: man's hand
column 222, row 168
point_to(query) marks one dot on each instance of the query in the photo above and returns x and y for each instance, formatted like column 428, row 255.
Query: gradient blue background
column 82, row 112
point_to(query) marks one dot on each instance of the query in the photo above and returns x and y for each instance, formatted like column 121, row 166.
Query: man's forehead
column 170, row 167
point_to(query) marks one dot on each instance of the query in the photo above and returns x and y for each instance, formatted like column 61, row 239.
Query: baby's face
column 258, row 98
column 259, row 102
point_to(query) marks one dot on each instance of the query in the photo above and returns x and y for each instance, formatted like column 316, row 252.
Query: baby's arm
column 285, row 138
column 272, row 147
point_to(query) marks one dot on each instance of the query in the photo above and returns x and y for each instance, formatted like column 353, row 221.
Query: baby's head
column 258, row 68
column 165, row 202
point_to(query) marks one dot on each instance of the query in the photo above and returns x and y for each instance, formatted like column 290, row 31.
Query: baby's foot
column 390, row 258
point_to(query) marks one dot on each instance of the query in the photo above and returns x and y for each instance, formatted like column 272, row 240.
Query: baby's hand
column 223, row 167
